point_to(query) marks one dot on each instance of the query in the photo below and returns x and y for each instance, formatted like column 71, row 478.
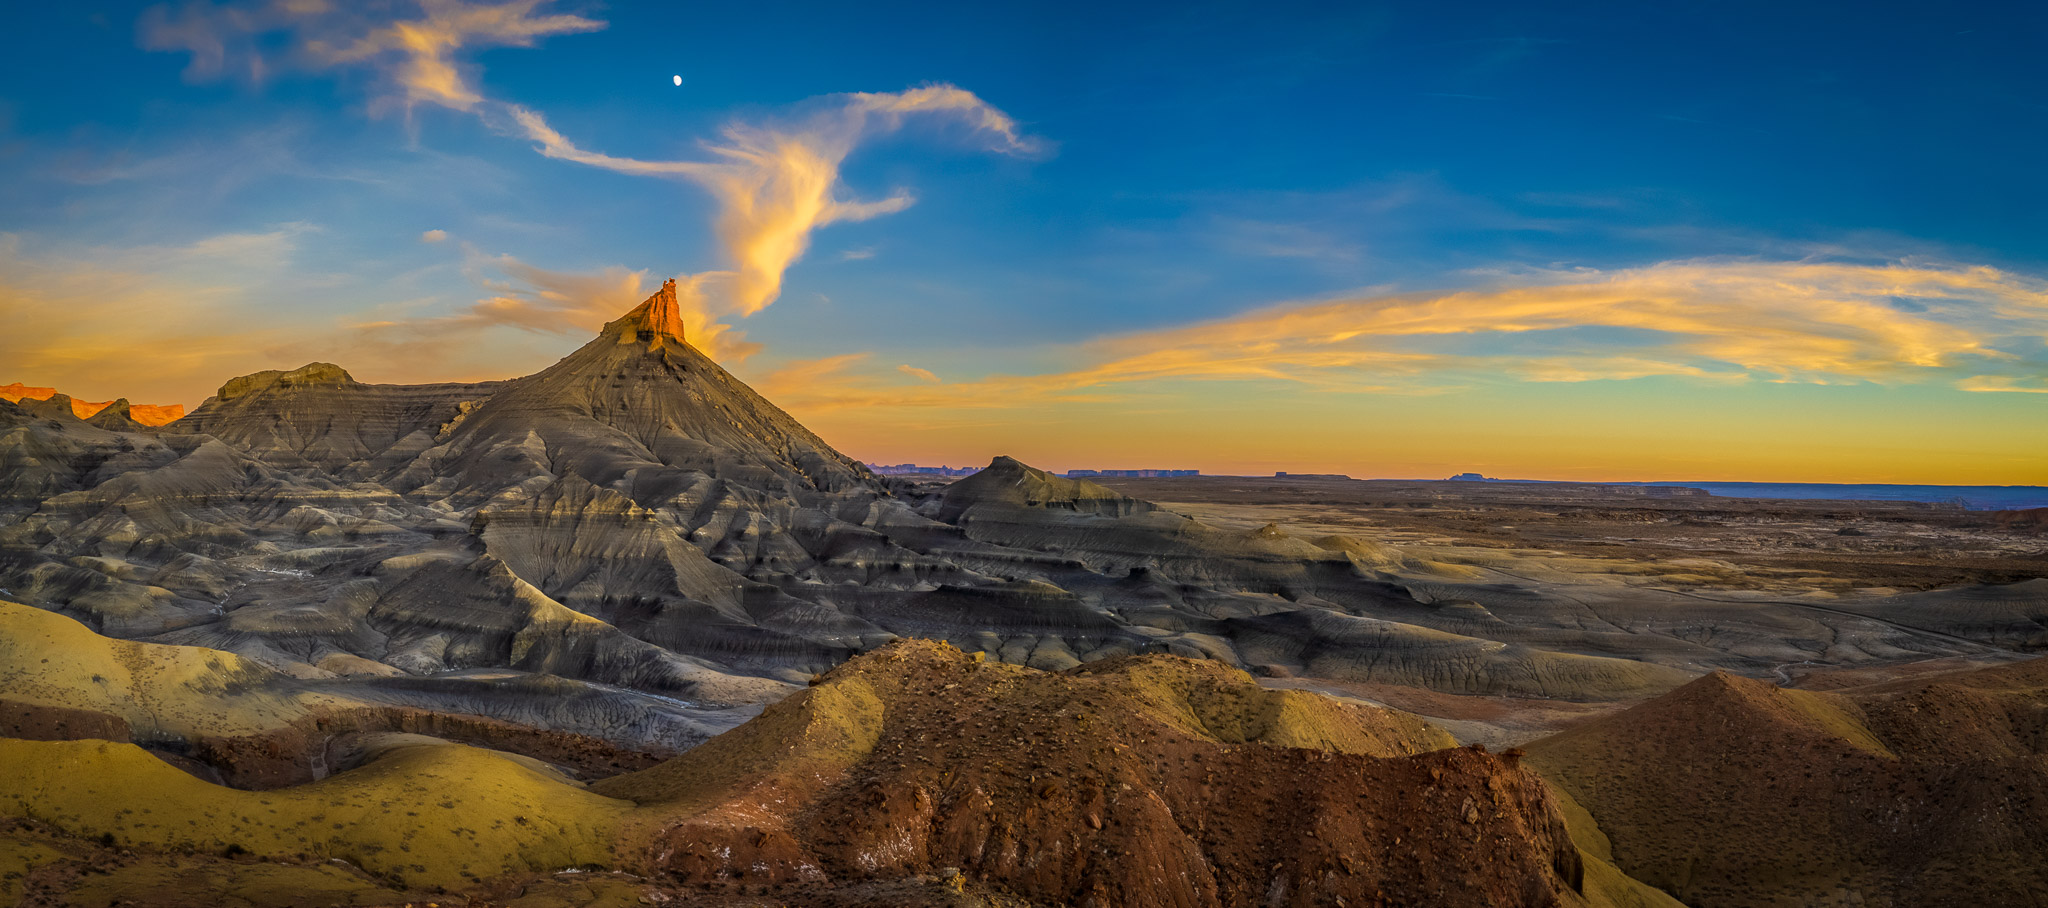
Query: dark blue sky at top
column 1205, row 158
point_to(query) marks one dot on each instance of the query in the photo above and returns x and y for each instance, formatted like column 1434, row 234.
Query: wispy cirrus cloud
column 1708, row 320
column 774, row 182
column 2006, row 384
column 418, row 54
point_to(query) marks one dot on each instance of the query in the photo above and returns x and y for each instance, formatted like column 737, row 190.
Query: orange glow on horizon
column 146, row 414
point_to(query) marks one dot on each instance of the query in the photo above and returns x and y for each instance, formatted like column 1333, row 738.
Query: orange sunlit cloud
column 1801, row 322
column 420, row 58
column 775, row 184
column 2003, row 384
column 1545, row 374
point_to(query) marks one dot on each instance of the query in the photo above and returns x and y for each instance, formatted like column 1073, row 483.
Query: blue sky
column 1761, row 214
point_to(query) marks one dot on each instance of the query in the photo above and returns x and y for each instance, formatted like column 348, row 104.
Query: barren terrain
column 1671, row 540
column 1665, row 545
column 623, row 632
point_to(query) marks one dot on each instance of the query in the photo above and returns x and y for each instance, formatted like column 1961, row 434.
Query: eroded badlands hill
column 1734, row 792
column 1136, row 781
column 635, row 517
column 1129, row 781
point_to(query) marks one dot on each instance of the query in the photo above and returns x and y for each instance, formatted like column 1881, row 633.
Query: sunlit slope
column 48, row 660
column 429, row 814
column 94, row 874
column 1606, row 884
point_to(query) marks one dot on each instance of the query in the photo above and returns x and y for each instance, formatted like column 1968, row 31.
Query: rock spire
column 659, row 318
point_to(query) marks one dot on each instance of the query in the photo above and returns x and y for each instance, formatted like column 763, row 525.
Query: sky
column 1728, row 241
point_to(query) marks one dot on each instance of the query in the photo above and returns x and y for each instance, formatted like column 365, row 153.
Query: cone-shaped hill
column 1010, row 482
column 635, row 407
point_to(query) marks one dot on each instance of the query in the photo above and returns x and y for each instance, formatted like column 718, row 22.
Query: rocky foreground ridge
column 917, row 774
column 914, row 774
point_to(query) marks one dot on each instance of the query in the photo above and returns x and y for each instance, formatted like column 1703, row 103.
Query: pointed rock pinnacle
column 659, row 318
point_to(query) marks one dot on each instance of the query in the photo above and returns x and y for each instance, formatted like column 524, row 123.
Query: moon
column 679, row 81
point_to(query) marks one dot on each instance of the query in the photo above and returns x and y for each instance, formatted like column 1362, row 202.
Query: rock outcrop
column 1134, row 782
column 908, row 774
column 318, row 415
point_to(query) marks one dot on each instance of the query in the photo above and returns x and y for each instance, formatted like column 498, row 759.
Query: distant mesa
column 911, row 469
column 1568, row 487
column 145, row 414
column 307, row 376
column 1286, row 475
column 1132, row 474
column 14, row 393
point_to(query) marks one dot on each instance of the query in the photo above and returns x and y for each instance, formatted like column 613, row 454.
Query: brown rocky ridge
column 1735, row 792
column 915, row 774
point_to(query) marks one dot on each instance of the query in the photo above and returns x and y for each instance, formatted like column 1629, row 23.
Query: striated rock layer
column 319, row 415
